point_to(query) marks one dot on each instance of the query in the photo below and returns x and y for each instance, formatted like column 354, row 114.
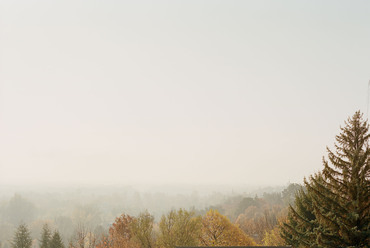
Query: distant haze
column 195, row 92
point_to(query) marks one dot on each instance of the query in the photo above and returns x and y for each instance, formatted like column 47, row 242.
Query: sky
column 226, row 92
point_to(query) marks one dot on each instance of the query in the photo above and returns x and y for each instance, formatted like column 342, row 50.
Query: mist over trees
column 331, row 209
column 84, row 216
column 19, row 209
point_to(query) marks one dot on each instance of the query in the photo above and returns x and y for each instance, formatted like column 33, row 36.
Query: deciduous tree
column 142, row 229
column 120, row 234
column 179, row 228
column 217, row 230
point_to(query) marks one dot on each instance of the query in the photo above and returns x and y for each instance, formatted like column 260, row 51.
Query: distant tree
column 273, row 198
column 22, row 237
column 339, row 196
column 179, row 228
column 256, row 221
column 288, row 194
column 80, row 236
column 89, row 215
column 19, row 210
column 64, row 224
column 142, row 229
column 217, row 230
column 247, row 202
column 56, row 241
column 83, row 237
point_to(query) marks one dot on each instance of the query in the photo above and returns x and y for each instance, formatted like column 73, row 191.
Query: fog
column 95, row 208
column 186, row 92
column 119, row 107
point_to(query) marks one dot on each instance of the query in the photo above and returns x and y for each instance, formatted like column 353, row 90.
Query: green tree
column 45, row 237
column 22, row 237
column 179, row 228
column 142, row 229
column 56, row 241
column 298, row 230
column 338, row 197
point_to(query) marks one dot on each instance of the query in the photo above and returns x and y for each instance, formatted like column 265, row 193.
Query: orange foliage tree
column 120, row 234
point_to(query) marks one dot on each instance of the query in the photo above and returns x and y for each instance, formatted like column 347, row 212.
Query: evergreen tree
column 298, row 231
column 339, row 195
column 45, row 237
column 22, row 237
column 56, row 241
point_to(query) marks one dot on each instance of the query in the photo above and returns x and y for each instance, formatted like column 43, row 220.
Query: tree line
column 177, row 228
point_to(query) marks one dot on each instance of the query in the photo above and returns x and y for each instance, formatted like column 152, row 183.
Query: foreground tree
column 179, row 228
column 217, row 230
column 338, row 197
column 22, row 237
column 299, row 229
column 45, row 237
column 56, row 241
column 120, row 234
column 142, row 230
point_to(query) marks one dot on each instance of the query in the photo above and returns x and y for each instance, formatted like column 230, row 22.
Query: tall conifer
column 45, row 237
column 340, row 193
column 56, row 241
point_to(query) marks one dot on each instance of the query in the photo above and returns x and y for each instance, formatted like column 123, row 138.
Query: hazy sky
column 177, row 91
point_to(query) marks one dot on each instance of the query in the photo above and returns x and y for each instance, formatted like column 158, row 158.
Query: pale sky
column 246, row 92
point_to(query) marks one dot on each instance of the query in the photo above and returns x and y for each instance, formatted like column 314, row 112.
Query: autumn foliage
column 217, row 230
column 179, row 228
column 120, row 234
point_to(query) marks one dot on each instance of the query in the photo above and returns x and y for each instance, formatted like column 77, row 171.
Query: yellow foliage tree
column 273, row 238
column 217, row 230
column 179, row 228
column 142, row 230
